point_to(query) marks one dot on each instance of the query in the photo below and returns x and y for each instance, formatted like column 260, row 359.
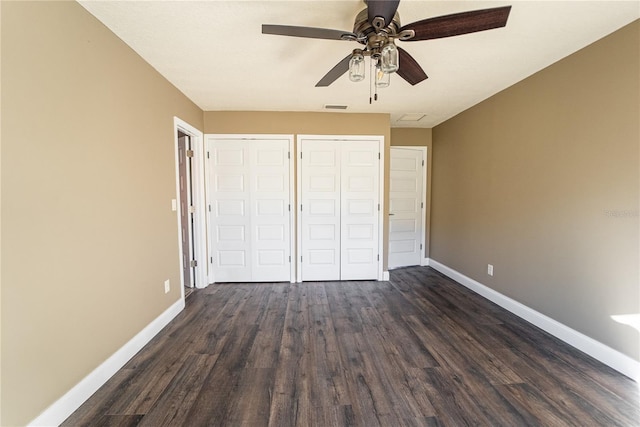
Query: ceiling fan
column 377, row 27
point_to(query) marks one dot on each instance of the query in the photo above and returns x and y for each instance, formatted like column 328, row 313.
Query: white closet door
column 270, row 236
column 250, row 238
column 230, row 216
column 320, row 215
column 405, row 207
column 359, row 213
column 339, row 195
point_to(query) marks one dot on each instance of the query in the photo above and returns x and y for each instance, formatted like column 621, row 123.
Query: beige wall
column 265, row 122
column 88, row 174
column 418, row 137
column 542, row 181
column 296, row 123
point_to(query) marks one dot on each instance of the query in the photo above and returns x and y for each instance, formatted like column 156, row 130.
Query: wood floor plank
column 178, row 398
column 393, row 369
column 266, row 348
column 97, row 406
column 291, row 401
column 419, row 350
column 251, row 404
column 460, row 352
column 534, row 406
column 328, row 367
column 580, row 402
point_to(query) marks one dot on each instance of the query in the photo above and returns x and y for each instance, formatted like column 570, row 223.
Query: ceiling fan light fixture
column 356, row 66
column 389, row 58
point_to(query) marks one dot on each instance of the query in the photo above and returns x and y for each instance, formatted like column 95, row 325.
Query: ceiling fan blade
column 309, row 32
column 409, row 69
column 458, row 23
column 333, row 74
column 385, row 9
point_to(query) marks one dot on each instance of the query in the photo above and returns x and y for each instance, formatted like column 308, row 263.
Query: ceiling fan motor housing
column 372, row 38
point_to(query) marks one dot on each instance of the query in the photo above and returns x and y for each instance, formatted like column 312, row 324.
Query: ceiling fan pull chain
column 370, row 78
column 374, row 69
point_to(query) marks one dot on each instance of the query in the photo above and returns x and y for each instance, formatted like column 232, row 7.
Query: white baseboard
column 425, row 262
column 605, row 354
column 385, row 276
column 61, row 409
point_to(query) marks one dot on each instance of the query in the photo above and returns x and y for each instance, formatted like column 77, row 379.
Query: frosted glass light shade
column 356, row 67
column 389, row 58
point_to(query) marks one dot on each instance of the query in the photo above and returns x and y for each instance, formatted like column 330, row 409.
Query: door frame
column 423, row 240
column 189, row 196
column 381, row 181
column 292, row 218
column 197, row 182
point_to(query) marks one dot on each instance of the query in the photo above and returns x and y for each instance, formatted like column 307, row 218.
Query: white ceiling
column 214, row 52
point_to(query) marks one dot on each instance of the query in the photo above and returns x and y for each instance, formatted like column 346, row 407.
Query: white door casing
column 249, row 197
column 339, row 194
column 407, row 185
column 198, row 202
column 185, row 204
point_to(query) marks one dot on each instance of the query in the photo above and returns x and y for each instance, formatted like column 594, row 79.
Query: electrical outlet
column 490, row 269
column 167, row 286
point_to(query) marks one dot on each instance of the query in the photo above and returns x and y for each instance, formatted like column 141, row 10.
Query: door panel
column 230, row 217
column 320, row 203
column 271, row 240
column 360, row 199
column 405, row 207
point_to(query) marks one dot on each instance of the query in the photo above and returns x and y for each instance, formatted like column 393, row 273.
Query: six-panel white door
column 270, row 216
column 405, row 207
column 320, row 210
column 359, row 214
column 339, row 201
column 249, row 216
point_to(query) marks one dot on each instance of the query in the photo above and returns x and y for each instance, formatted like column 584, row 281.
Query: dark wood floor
column 419, row 350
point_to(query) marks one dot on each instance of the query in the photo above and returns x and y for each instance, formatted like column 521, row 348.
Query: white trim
column 605, row 354
column 385, row 276
column 198, row 191
column 425, row 262
column 381, row 146
column 381, row 181
column 61, row 409
column 292, row 212
column 253, row 136
column 207, row 172
column 297, row 208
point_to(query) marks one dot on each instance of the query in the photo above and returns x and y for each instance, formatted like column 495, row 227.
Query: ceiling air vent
column 335, row 107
